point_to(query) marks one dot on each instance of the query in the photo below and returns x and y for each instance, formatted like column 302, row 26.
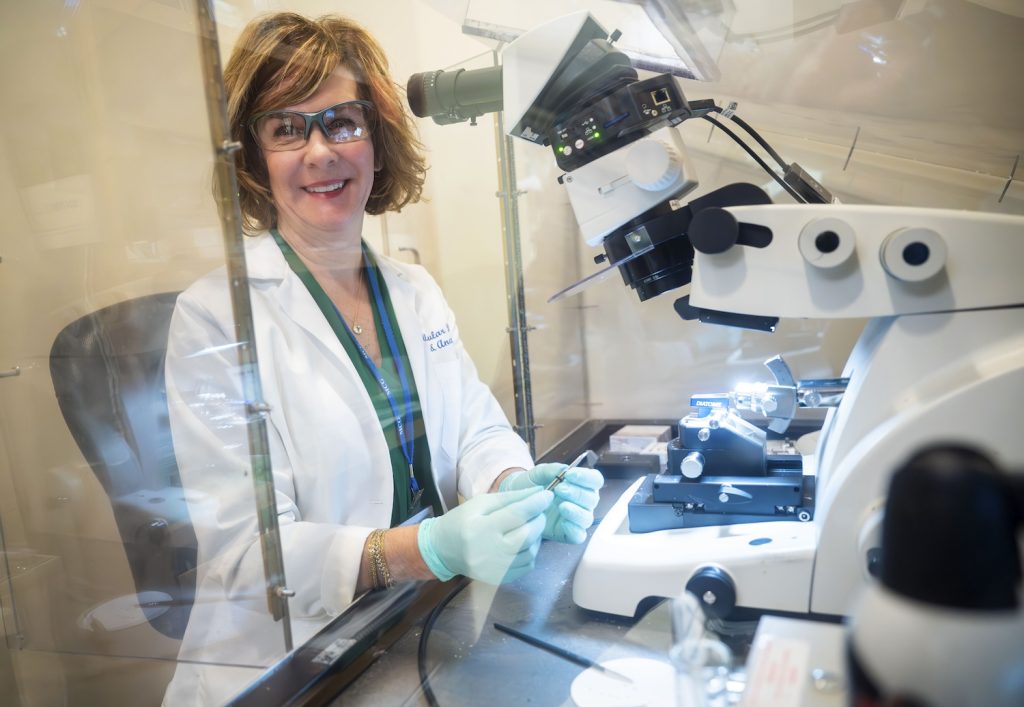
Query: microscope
column 739, row 523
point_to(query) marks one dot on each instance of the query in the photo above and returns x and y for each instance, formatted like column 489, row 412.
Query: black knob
column 155, row 531
column 713, row 230
column 715, row 590
column 949, row 537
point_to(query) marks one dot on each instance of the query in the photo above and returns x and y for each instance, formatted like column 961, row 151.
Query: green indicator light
column 562, row 149
column 597, row 135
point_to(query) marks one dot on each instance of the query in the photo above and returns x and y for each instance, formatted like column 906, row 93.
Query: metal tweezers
column 587, row 456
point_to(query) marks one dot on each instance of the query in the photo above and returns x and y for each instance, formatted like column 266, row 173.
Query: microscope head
column 565, row 86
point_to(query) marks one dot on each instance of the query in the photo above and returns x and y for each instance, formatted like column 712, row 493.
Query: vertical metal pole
column 516, row 298
column 13, row 636
column 231, row 224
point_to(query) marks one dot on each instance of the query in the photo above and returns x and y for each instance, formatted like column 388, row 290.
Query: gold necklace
column 357, row 328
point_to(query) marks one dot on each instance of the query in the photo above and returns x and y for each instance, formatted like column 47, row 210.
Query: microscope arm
column 844, row 261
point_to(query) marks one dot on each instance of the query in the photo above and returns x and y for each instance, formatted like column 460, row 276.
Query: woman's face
column 320, row 190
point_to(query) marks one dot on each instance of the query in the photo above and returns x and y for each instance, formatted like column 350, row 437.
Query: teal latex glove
column 493, row 537
column 567, row 519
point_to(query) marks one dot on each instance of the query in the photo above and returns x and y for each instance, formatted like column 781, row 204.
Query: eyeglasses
column 279, row 130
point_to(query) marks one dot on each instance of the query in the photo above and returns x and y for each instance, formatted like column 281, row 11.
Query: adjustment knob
column 154, row 532
column 827, row 243
column 692, row 465
column 713, row 230
column 913, row 254
column 653, row 165
column 715, row 590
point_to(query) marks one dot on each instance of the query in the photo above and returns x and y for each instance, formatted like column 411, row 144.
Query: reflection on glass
column 108, row 217
column 649, row 46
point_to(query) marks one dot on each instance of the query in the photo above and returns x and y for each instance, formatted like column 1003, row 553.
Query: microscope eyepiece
column 416, row 92
column 455, row 96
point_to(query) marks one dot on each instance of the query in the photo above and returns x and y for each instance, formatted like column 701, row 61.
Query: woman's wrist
column 496, row 486
column 396, row 552
column 404, row 554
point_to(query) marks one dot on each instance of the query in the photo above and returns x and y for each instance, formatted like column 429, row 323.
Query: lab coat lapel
column 266, row 263
column 415, row 308
column 405, row 301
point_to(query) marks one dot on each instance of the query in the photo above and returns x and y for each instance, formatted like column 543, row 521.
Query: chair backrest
column 108, row 374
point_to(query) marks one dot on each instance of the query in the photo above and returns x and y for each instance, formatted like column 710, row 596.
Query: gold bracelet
column 378, row 578
column 383, row 569
column 372, row 551
column 380, row 573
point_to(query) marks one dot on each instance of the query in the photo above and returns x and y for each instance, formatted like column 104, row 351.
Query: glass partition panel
column 110, row 583
column 856, row 94
column 130, row 542
column 879, row 102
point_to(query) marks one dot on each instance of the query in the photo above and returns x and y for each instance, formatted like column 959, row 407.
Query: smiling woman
column 378, row 419
column 320, row 186
column 280, row 61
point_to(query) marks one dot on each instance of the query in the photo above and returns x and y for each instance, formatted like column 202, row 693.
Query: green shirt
column 403, row 506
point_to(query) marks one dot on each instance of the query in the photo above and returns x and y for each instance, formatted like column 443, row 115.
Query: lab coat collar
column 268, row 269
column 266, row 263
column 263, row 259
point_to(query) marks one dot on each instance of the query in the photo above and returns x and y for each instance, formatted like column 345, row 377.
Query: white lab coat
column 330, row 460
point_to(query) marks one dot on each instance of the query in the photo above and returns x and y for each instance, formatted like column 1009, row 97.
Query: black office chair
column 108, row 373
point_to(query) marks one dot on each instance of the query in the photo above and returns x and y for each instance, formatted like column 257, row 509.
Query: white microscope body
column 942, row 360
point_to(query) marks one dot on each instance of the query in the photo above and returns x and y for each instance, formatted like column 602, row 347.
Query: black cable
column 421, row 650
column 757, row 158
column 757, row 136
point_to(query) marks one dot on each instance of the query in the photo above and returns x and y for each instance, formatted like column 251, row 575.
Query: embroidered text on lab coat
column 439, row 338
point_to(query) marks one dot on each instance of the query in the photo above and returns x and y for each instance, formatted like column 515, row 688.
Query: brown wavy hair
column 281, row 59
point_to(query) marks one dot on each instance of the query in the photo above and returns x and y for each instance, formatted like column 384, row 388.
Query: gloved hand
column 493, row 537
column 576, row 497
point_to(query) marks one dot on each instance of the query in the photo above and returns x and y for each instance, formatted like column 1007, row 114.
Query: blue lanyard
column 403, row 423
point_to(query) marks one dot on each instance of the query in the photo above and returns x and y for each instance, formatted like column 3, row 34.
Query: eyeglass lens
column 288, row 130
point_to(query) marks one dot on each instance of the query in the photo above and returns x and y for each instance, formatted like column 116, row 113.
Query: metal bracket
column 638, row 240
column 415, row 253
column 229, row 146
